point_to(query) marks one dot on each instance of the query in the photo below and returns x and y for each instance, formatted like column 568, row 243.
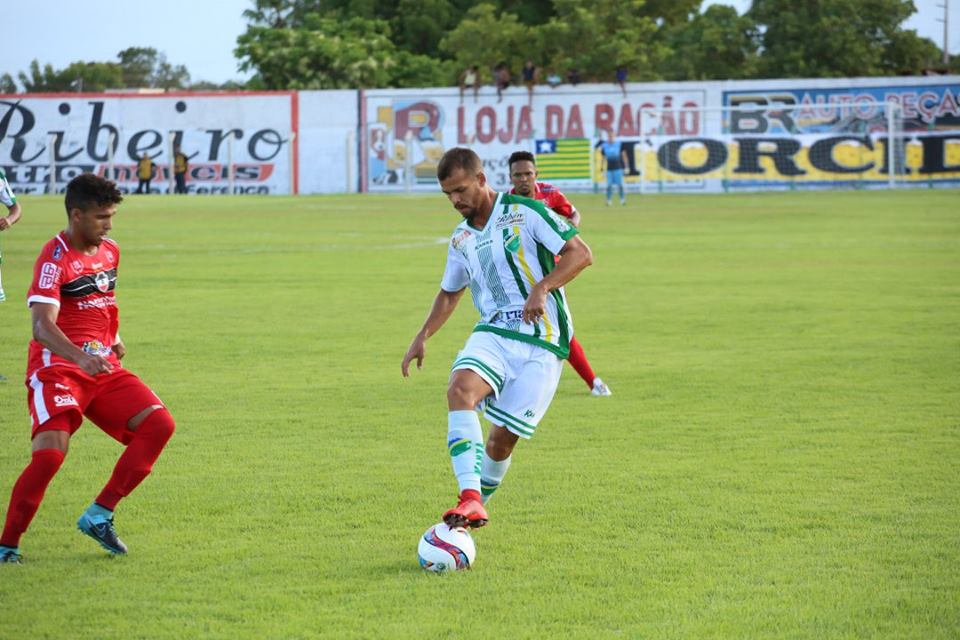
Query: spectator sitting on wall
column 470, row 78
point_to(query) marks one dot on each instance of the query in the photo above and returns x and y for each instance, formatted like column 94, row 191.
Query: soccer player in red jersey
column 74, row 370
column 523, row 175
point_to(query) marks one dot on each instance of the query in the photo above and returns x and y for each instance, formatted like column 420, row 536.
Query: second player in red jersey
column 523, row 175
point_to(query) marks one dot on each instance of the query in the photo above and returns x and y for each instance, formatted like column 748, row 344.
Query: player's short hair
column 520, row 156
column 87, row 190
column 459, row 158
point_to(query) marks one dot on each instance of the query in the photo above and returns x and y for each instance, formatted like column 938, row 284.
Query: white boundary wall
column 345, row 141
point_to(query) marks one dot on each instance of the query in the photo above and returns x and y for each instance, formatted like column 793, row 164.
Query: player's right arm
column 45, row 331
column 443, row 306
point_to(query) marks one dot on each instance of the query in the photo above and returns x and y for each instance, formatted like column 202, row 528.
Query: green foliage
column 414, row 70
column 326, row 53
column 486, row 38
column 670, row 12
column 420, row 25
column 597, row 36
column 7, row 84
column 778, row 459
column 717, row 44
column 137, row 67
column 837, row 38
column 78, row 76
column 146, row 67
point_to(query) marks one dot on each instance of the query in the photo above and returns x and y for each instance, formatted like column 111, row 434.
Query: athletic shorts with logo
column 108, row 400
column 524, row 378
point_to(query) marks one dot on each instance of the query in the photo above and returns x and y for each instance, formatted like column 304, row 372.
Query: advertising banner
column 836, row 131
column 405, row 132
column 45, row 140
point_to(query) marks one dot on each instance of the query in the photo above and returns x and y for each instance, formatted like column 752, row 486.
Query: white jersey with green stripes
column 6, row 193
column 502, row 262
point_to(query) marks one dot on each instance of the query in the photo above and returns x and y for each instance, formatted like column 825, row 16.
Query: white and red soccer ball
column 444, row 549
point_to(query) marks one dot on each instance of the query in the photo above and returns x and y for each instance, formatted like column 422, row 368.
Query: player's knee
column 158, row 424
column 163, row 424
column 460, row 396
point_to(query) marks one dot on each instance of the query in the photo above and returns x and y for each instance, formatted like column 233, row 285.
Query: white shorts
column 524, row 378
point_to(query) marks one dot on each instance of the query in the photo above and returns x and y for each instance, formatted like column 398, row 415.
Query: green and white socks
column 465, row 444
column 491, row 474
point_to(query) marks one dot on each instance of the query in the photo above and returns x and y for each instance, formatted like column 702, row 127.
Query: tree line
column 346, row 44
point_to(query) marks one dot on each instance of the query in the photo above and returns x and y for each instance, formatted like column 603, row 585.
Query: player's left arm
column 575, row 256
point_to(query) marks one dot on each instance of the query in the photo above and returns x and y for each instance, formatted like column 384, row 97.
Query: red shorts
column 109, row 400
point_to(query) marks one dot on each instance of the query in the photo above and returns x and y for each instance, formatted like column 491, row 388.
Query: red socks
column 28, row 492
column 578, row 360
column 137, row 461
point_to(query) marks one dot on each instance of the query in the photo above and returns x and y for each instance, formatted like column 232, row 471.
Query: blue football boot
column 97, row 523
column 10, row 555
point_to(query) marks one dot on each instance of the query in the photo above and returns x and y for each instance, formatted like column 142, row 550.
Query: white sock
column 465, row 444
column 491, row 474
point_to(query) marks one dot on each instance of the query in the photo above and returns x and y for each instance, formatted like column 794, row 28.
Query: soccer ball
column 444, row 549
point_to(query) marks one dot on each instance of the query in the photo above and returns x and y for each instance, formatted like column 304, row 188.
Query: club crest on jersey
column 511, row 242
column 103, row 281
column 96, row 348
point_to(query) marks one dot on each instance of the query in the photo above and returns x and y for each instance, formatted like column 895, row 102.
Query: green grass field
column 779, row 458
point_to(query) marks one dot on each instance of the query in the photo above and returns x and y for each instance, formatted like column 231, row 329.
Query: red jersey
column 552, row 197
column 82, row 286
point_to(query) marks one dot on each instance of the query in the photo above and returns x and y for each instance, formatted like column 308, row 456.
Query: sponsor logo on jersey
column 65, row 400
column 109, row 255
column 512, row 242
column 48, row 275
column 77, row 265
column 103, row 281
column 528, row 414
column 96, row 303
column 57, row 252
column 512, row 218
column 57, row 385
column 460, row 238
column 486, row 242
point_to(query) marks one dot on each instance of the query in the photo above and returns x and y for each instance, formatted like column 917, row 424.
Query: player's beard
column 468, row 213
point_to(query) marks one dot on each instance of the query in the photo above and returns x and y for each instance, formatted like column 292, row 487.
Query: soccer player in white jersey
column 13, row 215
column 509, row 368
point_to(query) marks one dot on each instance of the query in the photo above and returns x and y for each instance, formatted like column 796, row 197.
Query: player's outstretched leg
column 465, row 444
column 97, row 522
column 133, row 466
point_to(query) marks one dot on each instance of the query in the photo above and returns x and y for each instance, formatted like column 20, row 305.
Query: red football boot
column 469, row 512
